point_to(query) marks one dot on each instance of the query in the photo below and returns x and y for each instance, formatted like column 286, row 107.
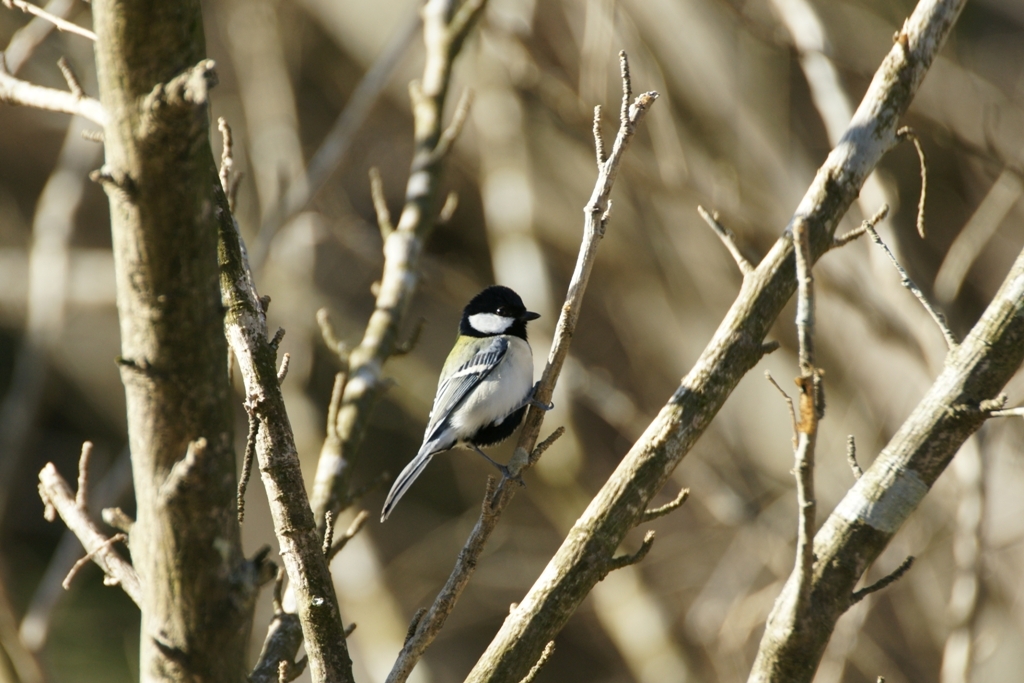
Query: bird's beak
column 530, row 315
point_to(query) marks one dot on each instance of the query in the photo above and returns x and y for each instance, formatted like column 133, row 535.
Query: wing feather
column 457, row 385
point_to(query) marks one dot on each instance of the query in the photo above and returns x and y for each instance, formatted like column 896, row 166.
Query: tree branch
column 735, row 348
column 56, row 494
column 888, row 492
column 61, row 23
column 18, row 92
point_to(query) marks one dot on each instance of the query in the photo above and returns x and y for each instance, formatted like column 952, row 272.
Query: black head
column 496, row 310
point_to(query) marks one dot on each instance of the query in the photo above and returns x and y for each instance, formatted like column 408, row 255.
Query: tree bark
column 160, row 178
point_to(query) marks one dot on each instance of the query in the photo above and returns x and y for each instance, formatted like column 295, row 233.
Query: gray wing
column 450, row 394
column 458, row 384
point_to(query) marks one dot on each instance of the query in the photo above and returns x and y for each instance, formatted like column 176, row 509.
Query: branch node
column 728, row 239
column 186, row 471
column 350, row 628
column 119, row 519
column 663, row 510
column 883, row 582
column 769, row 347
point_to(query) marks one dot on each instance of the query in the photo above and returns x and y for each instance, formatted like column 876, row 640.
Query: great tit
column 485, row 385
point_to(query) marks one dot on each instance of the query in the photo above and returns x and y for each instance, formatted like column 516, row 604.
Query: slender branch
column 70, row 77
column 61, row 24
column 1008, row 412
column 862, row 228
column 353, row 529
column 789, row 404
column 811, row 410
column 735, row 348
column 284, row 636
column 905, row 280
column 56, row 494
column 728, row 239
column 18, row 92
column 627, row 560
column 380, row 204
column 883, row 582
column 87, row 558
column 304, row 561
column 906, row 133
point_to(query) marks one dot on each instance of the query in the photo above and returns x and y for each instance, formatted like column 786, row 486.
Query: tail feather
column 406, row 478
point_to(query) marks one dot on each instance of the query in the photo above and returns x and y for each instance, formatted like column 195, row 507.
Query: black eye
column 503, row 311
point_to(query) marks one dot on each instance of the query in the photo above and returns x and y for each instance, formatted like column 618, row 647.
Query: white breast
column 504, row 390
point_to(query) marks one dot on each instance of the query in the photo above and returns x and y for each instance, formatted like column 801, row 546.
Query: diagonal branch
column 735, row 349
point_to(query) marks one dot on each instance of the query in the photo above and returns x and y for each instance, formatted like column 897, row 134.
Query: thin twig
column 349, row 534
column 843, row 240
column 70, row 77
column 883, row 582
column 657, row 512
column 82, row 494
column 451, row 203
column 229, row 179
column 1008, row 412
column 549, row 650
column 88, row 557
column 61, row 24
column 282, row 370
column 598, row 138
column 787, row 399
column 728, row 239
column 905, row 280
column 250, row 454
column 328, row 535
column 851, row 457
column 627, row 560
column 380, row 204
column 907, row 133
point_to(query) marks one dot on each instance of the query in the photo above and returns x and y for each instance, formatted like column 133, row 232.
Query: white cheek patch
column 490, row 323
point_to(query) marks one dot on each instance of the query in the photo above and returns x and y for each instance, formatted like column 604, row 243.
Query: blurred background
column 753, row 95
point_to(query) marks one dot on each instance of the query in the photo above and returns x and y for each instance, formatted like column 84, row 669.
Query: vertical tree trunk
column 160, row 178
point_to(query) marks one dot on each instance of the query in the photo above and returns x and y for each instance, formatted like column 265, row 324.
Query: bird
column 485, row 386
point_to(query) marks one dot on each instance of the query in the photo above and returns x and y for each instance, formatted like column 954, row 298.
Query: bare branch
column 57, row 495
column 328, row 535
column 728, row 239
column 598, row 138
column 451, row 203
column 851, row 457
column 229, row 179
column 883, row 582
column 18, row 92
column 1008, row 412
column 250, row 453
column 282, row 370
column 61, row 24
column 905, row 280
